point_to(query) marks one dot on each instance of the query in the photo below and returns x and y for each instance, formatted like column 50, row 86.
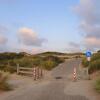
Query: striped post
column 34, row 73
column 74, row 74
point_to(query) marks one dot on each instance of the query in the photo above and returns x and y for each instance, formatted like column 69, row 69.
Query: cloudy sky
column 49, row 25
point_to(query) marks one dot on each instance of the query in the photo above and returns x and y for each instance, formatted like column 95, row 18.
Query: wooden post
column 41, row 73
column 88, row 76
column 38, row 72
column 17, row 68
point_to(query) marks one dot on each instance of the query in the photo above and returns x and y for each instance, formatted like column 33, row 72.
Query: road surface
column 53, row 87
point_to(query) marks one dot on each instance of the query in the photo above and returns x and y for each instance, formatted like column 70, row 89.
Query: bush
column 97, row 85
column 10, row 69
column 2, row 67
column 85, row 63
column 29, row 61
column 94, row 66
column 48, row 65
column 54, row 58
column 95, row 56
column 3, row 81
column 49, row 62
column 25, row 62
column 9, row 61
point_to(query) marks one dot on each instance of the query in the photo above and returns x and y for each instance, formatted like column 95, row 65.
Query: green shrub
column 65, row 58
column 37, row 61
column 50, row 62
column 25, row 62
column 10, row 69
column 48, row 65
column 97, row 85
column 85, row 63
column 3, row 81
column 54, row 58
column 2, row 67
column 9, row 61
column 94, row 66
column 95, row 56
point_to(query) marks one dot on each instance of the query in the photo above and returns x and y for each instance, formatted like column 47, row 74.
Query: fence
column 36, row 72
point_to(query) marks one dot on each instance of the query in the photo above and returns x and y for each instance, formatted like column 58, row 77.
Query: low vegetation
column 9, row 61
column 78, row 54
column 93, row 66
column 85, row 63
column 97, row 85
column 4, row 81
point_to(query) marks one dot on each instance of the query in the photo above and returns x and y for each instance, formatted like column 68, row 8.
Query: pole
column 34, row 73
column 37, row 72
column 17, row 68
column 74, row 74
column 41, row 73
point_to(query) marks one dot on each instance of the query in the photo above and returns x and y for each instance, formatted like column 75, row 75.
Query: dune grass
column 97, row 85
column 4, row 86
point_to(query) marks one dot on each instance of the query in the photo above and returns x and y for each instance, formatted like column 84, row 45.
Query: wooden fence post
column 37, row 72
column 17, row 68
column 41, row 72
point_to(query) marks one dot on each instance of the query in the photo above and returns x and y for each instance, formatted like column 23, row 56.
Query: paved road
column 49, row 89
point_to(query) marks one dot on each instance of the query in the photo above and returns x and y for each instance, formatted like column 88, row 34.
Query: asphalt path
column 51, row 88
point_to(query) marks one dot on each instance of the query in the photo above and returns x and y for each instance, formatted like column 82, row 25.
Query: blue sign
column 88, row 54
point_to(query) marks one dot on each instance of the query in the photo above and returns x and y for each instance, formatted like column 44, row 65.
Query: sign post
column 88, row 55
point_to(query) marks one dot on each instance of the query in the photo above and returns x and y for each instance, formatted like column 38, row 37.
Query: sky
column 36, row 26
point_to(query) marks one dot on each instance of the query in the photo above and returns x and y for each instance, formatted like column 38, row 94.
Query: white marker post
column 74, row 74
column 88, row 55
column 89, row 59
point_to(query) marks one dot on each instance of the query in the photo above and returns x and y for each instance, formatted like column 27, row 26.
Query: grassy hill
column 59, row 54
column 9, row 61
column 47, row 60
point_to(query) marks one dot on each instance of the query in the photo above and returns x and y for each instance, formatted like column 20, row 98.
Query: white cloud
column 73, row 47
column 28, row 37
column 92, row 42
column 3, row 40
column 30, row 50
column 73, row 44
column 88, row 11
column 89, row 14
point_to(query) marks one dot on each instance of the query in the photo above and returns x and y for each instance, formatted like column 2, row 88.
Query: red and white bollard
column 34, row 73
column 74, row 75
